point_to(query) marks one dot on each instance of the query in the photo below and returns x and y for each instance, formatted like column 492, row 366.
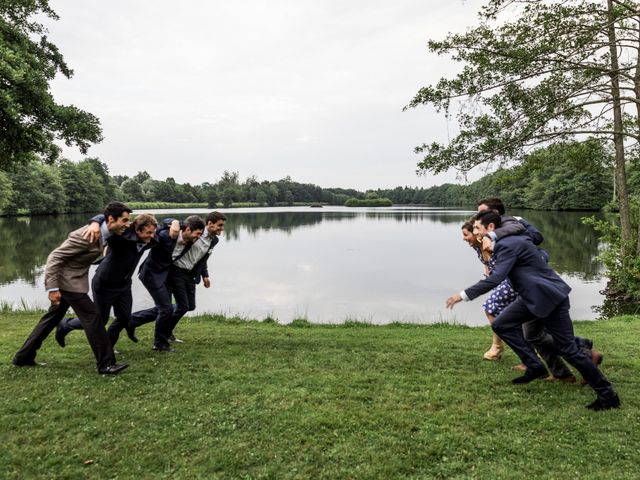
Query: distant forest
column 569, row 176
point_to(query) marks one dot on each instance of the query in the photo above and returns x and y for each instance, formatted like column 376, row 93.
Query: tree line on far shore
column 566, row 176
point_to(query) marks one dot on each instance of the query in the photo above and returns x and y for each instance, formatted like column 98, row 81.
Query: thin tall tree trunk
column 618, row 138
column 636, row 89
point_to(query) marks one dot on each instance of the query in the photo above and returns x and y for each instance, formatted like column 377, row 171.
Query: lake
column 328, row 265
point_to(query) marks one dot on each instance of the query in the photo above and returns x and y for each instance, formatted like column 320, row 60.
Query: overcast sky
column 313, row 89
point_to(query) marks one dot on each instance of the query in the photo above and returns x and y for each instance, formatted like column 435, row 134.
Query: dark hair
column 115, row 209
column 144, row 220
column 194, row 222
column 494, row 203
column 468, row 225
column 485, row 217
column 213, row 217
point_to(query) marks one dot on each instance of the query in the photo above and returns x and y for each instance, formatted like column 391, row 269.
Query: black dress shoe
column 131, row 333
column 26, row 363
column 113, row 369
column 604, row 403
column 60, row 334
column 530, row 376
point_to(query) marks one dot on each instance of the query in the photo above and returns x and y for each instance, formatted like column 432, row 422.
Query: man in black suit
column 542, row 294
column 111, row 283
column 153, row 274
column 185, row 272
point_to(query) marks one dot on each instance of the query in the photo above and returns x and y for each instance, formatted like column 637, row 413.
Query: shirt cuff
column 464, row 296
column 52, row 290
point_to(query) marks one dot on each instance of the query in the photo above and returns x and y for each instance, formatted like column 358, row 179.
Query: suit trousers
column 183, row 288
column 508, row 326
column 161, row 314
column 535, row 333
column 119, row 298
column 91, row 323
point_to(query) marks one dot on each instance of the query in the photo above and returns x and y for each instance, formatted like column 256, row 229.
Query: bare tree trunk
column 618, row 138
column 636, row 89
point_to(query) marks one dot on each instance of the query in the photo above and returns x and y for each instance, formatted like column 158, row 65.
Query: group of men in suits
column 177, row 260
column 542, row 295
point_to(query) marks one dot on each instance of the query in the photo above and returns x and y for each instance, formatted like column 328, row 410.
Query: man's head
column 215, row 223
column 193, row 228
column 491, row 203
column 116, row 214
column 145, row 226
column 486, row 221
column 467, row 234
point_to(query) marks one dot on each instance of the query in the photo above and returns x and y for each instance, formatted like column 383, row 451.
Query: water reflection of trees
column 572, row 246
column 26, row 242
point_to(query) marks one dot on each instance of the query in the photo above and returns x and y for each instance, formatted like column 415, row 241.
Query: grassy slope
column 260, row 400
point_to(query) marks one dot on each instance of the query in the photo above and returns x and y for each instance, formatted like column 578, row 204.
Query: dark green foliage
column 132, row 190
column 623, row 271
column 37, row 189
column 368, row 202
column 30, row 119
column 564, row 176
column 84, row 190
column 6, row 191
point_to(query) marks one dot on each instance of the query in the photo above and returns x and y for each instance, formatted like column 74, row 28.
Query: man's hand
column 54, row 297
column 174, row 230
column 487, row 244
column 92, row 232
column 206, row 282
column 453, row 299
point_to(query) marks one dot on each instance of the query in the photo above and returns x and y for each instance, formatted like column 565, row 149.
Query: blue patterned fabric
column 501, row 296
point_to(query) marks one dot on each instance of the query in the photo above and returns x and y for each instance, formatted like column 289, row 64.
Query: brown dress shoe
column 596, row 357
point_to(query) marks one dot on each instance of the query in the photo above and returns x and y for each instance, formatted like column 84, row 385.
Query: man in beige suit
column 66, row 280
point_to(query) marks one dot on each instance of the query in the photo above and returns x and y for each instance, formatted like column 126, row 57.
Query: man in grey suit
column 66, row 280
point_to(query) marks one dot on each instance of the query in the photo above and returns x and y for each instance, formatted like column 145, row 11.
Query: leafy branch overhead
column 533, row 73
column 30, row 119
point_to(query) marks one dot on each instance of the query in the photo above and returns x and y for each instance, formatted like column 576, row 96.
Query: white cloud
column 306, row 88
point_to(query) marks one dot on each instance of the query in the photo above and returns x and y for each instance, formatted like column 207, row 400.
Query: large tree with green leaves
column 30, row 119
column 538, row 72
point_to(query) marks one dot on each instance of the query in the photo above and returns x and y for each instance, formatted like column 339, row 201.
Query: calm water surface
column 328, row 265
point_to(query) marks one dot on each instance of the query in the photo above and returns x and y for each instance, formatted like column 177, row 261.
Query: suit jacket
column 154, row 270
column 119, row 265
column 518, row 259
column 516, row 226
column 200, row 269
column 68, row 265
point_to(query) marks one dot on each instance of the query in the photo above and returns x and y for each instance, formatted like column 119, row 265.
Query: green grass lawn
column 261, row 400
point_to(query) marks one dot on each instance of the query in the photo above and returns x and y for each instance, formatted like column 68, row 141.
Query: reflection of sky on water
column 377, row 267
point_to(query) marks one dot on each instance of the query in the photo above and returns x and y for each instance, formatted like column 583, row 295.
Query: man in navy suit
column 185, row 273
column 533, row 331
column 542, row 294
column 154, row 272
column 111, row 284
